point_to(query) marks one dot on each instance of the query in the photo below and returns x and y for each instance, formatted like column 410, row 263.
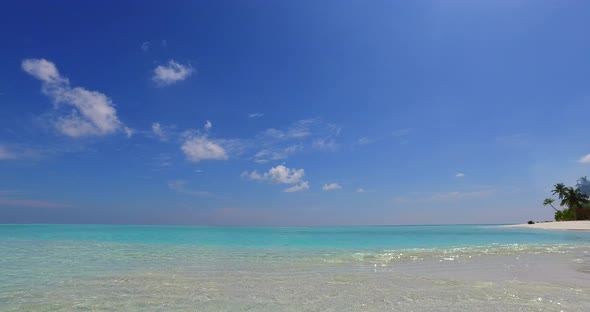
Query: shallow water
column 429, row 268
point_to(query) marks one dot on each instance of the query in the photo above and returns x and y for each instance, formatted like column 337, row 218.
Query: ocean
column 380, row 268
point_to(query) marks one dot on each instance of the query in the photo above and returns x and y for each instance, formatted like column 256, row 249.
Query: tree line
column 574, row 201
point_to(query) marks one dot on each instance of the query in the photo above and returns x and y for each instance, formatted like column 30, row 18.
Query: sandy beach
column 562, row 225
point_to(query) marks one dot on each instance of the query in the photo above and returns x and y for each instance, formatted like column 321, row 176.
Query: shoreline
column 554, row 225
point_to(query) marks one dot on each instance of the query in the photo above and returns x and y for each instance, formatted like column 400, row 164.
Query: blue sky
column 291, row 113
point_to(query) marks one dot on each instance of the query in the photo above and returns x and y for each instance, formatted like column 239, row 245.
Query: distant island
column 574, row 200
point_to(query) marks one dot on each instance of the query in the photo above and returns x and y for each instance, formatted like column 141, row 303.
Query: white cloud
column 331, row 187
column 179, row 186
column 93, row 113
column 172, row 72
column 164, row 43
column 460, row 175
column 361, row 190
column 255, row 115
column 585, row 159
column 267, row 155
column 297, row 188
column 281, row 175
column 157, row 130
column 43, row 70
column 310, row 132
column 199, row 147
column 278, row 174
column 128, row 131
column 274, row 133
column 267, row 146
column 145, row 46
column 299, row 129
column 6, row 154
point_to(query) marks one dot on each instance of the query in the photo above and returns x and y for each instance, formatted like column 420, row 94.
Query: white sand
column 562, row 225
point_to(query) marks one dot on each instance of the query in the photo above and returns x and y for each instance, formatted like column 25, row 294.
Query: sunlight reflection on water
column 70, row 276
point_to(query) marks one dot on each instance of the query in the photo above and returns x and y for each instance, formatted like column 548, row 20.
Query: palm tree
column 549, row 201
column 559, row 190
column 574, row 199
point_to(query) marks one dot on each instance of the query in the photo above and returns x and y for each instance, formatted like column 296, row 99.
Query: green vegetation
column 575, row 200
column 564, row 215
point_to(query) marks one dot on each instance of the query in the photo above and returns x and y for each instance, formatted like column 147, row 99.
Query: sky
column 291, row 112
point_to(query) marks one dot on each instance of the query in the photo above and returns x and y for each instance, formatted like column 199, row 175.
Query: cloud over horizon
column 15, row 199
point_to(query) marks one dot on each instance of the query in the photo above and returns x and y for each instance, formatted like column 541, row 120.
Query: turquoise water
column 297, row 237
column 145, row 268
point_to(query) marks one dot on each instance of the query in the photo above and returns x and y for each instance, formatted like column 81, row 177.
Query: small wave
column 448, row 254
